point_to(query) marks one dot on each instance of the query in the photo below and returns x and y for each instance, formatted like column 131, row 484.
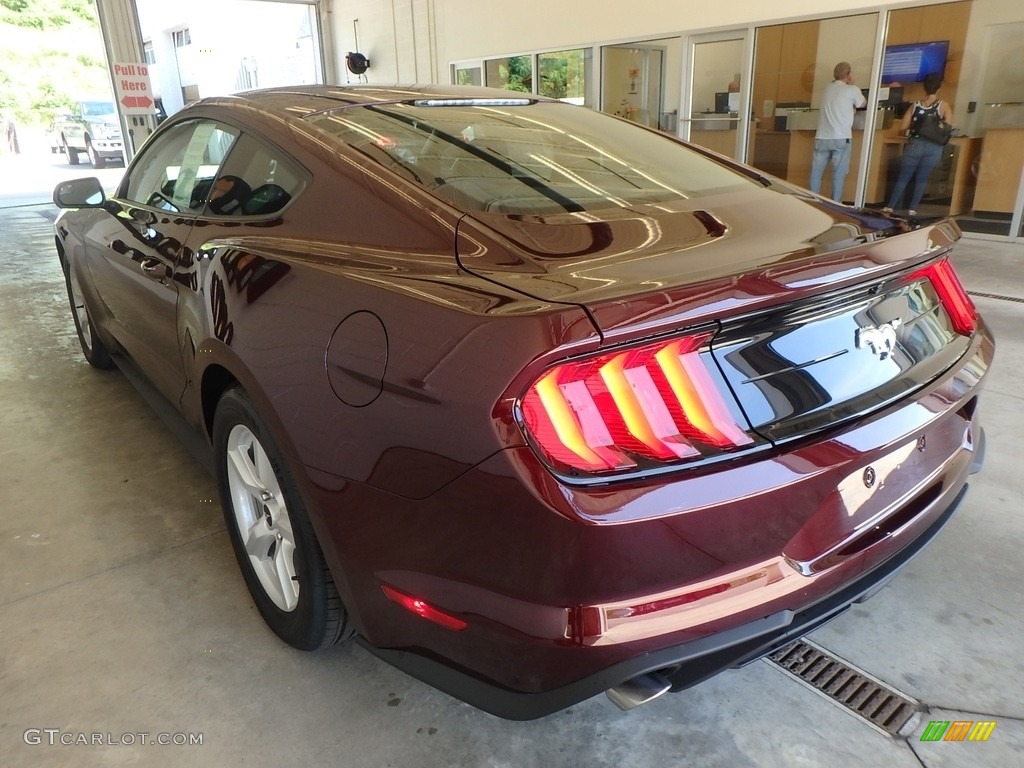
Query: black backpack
column 929, row 125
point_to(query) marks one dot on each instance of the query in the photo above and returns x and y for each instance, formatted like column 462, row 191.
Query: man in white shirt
column 840, row 101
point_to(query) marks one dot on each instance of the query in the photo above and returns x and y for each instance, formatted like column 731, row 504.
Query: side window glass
column 177, row 173
column 255, row 180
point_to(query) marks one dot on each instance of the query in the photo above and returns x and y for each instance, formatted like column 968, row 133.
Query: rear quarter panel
column 347, row 318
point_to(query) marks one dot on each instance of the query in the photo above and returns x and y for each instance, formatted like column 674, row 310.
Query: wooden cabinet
column 784, row 57
column 722, row 142
column 1000, row 167
column 796, row 62
column 771, row 152
column 768, row 50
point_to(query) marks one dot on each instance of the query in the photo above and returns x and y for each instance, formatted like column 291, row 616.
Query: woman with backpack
column 922, row 153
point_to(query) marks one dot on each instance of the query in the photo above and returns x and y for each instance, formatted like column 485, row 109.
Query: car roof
column 302, row 101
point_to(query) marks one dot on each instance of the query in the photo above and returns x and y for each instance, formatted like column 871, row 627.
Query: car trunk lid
column 820, row 312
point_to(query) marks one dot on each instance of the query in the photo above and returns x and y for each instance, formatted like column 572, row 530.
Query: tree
column 52, row 54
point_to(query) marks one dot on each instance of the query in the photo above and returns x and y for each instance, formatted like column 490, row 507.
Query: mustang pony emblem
column 880, row 339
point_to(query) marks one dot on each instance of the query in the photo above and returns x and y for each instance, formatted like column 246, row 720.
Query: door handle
column 154, row 268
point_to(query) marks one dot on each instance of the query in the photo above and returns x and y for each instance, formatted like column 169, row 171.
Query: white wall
column 469, row 28
column 397, row 36
column 224, row 34
column 852, row 39
column 715, row 66
column 415, row 40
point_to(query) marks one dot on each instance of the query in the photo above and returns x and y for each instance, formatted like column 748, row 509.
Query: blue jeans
column 837, row 153
column 919, row 160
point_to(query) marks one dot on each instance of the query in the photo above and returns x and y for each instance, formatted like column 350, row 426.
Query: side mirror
column 79, row 193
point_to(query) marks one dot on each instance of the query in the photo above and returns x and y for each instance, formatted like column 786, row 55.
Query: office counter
column 961, row 187
column 788, row 154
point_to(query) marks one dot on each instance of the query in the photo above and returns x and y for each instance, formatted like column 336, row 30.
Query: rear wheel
column 93, row 348
column 270, row 531
column 95, row 157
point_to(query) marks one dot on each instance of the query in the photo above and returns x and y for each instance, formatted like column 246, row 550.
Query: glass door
column 716, row 94
column 795, row 69
column 997, row 163
column 634, row 82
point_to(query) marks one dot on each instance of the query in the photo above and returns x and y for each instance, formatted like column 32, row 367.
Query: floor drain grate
column 997, row 296
column 883, row 707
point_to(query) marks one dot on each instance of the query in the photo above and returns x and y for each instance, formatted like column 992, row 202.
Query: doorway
column 716, row 97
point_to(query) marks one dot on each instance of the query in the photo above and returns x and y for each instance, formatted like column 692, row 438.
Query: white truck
column 92, row 127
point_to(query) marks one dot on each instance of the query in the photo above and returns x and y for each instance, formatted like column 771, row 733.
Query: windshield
column 531, row 158
column 96, row 108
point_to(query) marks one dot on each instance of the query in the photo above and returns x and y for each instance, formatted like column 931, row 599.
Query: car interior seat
column 228, row 202
column 266, row 198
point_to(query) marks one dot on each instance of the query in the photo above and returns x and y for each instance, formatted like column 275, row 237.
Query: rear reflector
column 653, row 404
column 951, row 293
column 423, row 609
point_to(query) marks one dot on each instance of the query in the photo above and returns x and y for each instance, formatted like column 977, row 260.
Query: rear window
column 528, row 158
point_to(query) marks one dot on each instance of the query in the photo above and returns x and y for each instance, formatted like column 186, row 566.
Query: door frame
column 690, row 43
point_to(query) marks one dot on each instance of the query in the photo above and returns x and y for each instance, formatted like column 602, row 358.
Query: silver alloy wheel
column 81, row 313
column 261, row 516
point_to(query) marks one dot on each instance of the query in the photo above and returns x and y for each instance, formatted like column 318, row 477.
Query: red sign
column 132, row 89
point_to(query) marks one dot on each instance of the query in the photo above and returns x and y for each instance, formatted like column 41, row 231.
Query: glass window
column 795, row 91
column 148, row 54
column 176, row 173
column 527, row 158
column 514, row 73
column 467, row 75
column 564, row 74
column 182, row 37
column 254, row 181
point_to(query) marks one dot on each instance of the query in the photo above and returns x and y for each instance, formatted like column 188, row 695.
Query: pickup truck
column 91, row 127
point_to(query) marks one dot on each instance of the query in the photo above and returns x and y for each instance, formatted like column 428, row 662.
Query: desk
column 722, row 142
column 801, row 150
column 963, row 187
column 787, row 154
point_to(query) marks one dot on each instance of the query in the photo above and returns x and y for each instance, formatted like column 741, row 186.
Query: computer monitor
column 722, row 102
column 912, row 62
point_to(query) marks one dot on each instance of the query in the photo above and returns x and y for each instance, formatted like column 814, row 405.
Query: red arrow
column 137, row 102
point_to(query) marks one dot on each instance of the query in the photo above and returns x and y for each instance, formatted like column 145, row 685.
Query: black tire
column 71, row 153
column 267, row 506
column 97, row 160
column 93, row 348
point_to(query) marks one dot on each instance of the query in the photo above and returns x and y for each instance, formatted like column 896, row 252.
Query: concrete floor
column 122, row 610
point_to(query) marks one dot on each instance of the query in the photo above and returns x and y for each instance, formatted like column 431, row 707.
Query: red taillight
column 652, row 404
column 423, row 609
column 951, row 293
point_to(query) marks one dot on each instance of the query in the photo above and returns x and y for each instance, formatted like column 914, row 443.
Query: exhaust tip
column 638, row 690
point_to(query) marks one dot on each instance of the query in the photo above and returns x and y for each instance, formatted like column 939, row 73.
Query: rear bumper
column 685, row 664
column 570, row 591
